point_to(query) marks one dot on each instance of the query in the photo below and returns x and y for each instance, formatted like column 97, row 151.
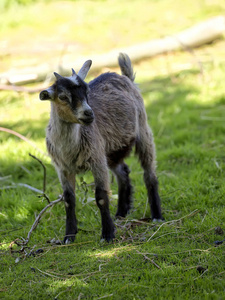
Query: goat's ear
column 47, row 94
column 84, row 69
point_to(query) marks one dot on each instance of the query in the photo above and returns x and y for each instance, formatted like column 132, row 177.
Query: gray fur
column 94, row 128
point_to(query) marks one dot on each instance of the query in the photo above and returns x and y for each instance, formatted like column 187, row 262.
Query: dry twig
column 151, row 260
column 24, row 242
column 173, row 221
column 49, row 274
column 44, row 169
column 44, row 177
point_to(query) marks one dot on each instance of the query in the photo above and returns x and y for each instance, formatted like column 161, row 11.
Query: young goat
column 93, row 127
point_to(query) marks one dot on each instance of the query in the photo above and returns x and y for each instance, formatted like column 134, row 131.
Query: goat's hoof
column 54, row 241
column 68, row 239
column 108, row 237
column 122, row 213
column 102, row 241
column 155, row 220
column 119, row 217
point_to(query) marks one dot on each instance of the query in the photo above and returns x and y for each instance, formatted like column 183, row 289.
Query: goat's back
column 118, row 106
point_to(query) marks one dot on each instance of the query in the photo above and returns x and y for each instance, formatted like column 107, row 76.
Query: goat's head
column 70, row 96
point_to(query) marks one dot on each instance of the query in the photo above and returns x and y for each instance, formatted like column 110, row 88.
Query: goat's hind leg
column 68, row 185
column 101, row 176
column 145, row 149
column 124, row 189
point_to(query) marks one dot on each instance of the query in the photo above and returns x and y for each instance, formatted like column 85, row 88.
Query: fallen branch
column 195, row 36
column 19, row 89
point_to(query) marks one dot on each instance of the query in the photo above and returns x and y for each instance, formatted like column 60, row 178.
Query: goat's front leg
column 68, row 184
column 101, row 177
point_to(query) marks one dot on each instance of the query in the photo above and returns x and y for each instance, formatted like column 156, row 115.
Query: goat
column 94, row 127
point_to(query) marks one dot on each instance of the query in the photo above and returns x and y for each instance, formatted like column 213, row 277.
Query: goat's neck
column 62, row 128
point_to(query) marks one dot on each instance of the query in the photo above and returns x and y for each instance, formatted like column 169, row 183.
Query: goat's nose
column 88, row 113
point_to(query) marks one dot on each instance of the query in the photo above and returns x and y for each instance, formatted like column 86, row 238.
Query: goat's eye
column 63, row 97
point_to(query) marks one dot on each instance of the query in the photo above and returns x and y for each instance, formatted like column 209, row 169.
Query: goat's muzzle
column 87, row 118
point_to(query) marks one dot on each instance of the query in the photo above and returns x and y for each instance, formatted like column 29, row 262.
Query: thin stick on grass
column 48, row 274
column 151, row 260
column 44, row 170
column 7, row 187
column 44, row 176
column 106, row 296
column 23, row 242
column 22, row 137
column 206, row 270
column 169, row 222
column 188, row 282
column 221, row 273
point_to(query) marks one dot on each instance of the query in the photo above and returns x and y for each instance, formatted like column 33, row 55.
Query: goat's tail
column 126, row 66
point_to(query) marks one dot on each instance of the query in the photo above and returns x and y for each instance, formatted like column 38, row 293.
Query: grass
column 176, row 260
column 34, row 35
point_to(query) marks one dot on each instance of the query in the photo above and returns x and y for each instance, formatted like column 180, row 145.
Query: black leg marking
column 145, row 149
column 153, row 196
column 71, row 222
column 108, row 228
column 125, row 189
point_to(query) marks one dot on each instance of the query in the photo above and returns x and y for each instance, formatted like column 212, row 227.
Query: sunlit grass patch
column 113, row 252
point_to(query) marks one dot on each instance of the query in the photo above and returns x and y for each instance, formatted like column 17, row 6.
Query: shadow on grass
column 31, row 129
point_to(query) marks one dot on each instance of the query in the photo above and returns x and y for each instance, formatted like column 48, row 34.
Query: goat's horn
column 57, row 75
column 84, row 69
column 73, row 72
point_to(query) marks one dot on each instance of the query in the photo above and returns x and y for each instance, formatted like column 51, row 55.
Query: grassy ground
column 174, row 260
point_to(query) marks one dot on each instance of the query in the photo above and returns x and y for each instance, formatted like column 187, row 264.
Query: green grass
column 186, row 111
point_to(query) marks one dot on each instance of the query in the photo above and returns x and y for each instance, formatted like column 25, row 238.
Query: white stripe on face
column 84, row 107
column 73, row 79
